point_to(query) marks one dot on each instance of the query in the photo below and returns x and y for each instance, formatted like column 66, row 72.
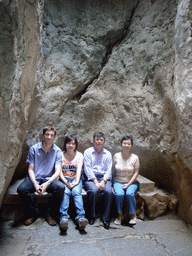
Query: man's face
column 49, row 136
column 99, row 142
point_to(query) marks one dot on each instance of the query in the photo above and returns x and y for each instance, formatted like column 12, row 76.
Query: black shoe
column 106, row 224
column 91, row 221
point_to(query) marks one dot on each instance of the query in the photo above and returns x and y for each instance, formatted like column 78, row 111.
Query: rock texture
column 20, row 49
column 119, row 67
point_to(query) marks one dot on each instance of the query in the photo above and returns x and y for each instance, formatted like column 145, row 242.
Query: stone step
column 145, row 185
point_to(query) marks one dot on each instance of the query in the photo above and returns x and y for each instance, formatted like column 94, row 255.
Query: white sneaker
column 133, row 221
column 117, row 221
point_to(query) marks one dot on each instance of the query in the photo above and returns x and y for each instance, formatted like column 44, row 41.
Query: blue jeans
column 129, row 193
column 76, row 193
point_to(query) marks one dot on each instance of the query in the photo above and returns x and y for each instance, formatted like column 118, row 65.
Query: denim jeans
column 129, row 193
column 76, row 193
column 56, row 188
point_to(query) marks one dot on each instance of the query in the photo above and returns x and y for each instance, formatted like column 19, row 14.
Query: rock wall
column 20, row 37
column 118, row 67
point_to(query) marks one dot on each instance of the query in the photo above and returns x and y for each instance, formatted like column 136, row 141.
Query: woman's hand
column 68, row 184
column 74, row 184
column 126, row 185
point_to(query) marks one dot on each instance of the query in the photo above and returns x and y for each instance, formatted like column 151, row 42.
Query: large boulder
column 119, row 67
column 20, row 37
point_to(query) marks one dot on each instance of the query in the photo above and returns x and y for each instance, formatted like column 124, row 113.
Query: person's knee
column 119, row 194
column 67, row 193
column 59, row 189
column 22, row 189
column 76, row 193
column 130, row 195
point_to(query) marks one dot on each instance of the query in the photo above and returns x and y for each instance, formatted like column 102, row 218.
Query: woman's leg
column 78, row 201
column 130, row 196
column 119, row 195
column 65, row 204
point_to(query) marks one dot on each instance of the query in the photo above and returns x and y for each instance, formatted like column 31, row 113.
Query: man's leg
column 108, row 197
column 93, row 193
column 24, row 191
column 56, row 188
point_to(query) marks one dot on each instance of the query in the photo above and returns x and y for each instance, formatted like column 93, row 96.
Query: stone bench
column 12, row 204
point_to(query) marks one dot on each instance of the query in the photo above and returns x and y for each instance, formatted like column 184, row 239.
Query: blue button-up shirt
column 44, row 163
column 97, row 164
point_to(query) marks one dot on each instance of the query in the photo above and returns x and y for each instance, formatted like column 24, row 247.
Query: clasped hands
column 100, row 185
column 41, row 188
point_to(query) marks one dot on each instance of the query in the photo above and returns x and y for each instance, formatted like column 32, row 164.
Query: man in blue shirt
column 98, row 169
column 44, row 160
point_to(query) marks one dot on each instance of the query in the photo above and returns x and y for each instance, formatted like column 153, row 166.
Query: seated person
column 126, row 168
column 72, row 162
column 98, row 169
column 44, row 160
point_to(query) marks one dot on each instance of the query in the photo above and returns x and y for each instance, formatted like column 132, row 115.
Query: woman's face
column 126, row 145
column 70, row 146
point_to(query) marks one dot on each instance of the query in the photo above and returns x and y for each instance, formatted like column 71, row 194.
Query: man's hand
column 37, row 188
column 43, row 187
column 100, row 185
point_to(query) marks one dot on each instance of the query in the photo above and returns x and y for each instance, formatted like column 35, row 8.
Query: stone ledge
column 11, row 196
column 12, row 204
column 145, row 185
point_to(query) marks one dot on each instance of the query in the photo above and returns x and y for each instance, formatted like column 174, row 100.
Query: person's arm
column 88, row 167
column 135, row 175
column 78, row 173
column 62, row 177
column 107, row 172
column 53, row 178
column 32, row 178
column 133, row 179
column 108, row 168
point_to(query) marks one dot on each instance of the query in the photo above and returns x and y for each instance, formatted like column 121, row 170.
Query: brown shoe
column 82, row 223
column 51, row 221
column 29, row 221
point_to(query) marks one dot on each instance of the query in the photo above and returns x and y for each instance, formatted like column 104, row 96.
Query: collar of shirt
column 102, row 152
column 40, row 146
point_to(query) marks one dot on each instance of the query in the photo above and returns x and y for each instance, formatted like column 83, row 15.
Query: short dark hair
column 69, row 138
column 127, row 138
column 98, row 134
column 49, row 128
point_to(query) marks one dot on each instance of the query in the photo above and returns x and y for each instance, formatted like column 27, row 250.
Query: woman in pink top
column 126, row 168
